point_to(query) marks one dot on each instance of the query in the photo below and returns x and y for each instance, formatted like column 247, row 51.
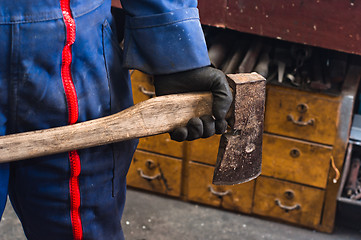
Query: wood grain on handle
column 154, row 116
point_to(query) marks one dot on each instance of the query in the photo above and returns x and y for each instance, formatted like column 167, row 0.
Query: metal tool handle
column 218, row 194
column 300, row 123
column 287, row 208
column 147, row 177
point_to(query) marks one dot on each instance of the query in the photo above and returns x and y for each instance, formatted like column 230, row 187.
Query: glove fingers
column 179, row 135
column 221, row 126
column 209, row 126
column 222, row 95
column 222, row 100
column 195, row 129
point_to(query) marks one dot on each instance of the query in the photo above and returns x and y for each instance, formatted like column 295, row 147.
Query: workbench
column 305, row 133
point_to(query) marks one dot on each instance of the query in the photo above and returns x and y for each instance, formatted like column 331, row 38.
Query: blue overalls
column 61, row 64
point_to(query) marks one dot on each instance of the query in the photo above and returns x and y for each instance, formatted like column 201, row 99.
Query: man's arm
column 165, row 38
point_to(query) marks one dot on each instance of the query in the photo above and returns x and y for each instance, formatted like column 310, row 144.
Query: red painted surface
column 332, row 24
column 213, row 12
column 72, row 102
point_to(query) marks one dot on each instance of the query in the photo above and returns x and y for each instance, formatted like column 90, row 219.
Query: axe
column 240, row 152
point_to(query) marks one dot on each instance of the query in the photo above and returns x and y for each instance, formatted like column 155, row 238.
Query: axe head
column 240, row 151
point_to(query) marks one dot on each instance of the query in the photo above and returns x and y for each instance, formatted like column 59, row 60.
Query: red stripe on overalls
column 72, row 103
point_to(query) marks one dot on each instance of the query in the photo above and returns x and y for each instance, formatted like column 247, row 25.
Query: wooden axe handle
column 154, row 116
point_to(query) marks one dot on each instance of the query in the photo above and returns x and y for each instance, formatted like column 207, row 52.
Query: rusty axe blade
column 240, row 151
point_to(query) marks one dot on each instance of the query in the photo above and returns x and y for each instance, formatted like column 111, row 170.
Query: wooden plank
column 213, row 12
column 333, row 24
column 344, row 125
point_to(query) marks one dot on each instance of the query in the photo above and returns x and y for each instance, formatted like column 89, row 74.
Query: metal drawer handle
column 147, row 177
column 300, row 123
column 287, row 208
column 219, row 194
column 146, row 92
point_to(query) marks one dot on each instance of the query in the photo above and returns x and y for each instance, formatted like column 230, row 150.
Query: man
column 61, row 64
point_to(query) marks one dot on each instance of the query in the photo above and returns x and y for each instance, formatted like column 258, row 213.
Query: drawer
column 296, row 161
column 235, row 198
column 289, row 202
column 204, row 150
column 155, row 173
column 302, row 115
column 162, row 144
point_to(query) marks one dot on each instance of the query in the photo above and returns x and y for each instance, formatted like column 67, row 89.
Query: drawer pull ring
column 300, row 123
column 146, row 92
column 219, row 194
column 287, row 208
column 295, row 153
column 302, row 108
column 147, row 177
column 337, row 172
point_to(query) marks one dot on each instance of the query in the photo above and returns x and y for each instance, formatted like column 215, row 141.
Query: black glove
column 198, row 80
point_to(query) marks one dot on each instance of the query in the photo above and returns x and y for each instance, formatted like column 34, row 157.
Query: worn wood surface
column 143, row 89
column 213, row 13
column 302, row 115
column 332, row 24
column 289, row 202
column 296, row 161
column 151, row 117
column 162, row 144
column 156, row 173
column 349, row 94
column 236, row 198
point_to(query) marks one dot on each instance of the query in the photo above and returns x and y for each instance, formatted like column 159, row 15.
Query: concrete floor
column 152, row 217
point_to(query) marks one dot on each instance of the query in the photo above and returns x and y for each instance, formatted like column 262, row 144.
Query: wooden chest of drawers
column 303, row 149
column 155, row 173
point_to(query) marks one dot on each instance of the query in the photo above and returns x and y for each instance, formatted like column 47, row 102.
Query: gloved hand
column 198, row 80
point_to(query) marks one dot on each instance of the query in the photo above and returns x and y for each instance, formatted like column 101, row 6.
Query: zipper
column 73, row 113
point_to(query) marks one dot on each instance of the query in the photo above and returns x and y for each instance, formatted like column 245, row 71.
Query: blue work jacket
column 161, row 36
